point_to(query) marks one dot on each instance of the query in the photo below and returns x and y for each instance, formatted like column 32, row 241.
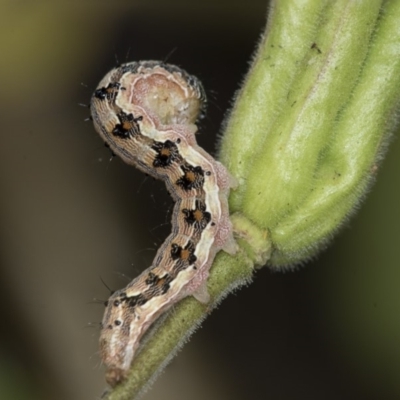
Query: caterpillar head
column 118, row 337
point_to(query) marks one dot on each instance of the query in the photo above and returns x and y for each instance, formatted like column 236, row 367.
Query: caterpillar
column 146, row 112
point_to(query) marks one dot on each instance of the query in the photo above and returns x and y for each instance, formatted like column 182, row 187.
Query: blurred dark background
column 70, row 215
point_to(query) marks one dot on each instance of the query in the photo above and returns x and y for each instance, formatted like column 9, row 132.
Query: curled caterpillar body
column 146, row 112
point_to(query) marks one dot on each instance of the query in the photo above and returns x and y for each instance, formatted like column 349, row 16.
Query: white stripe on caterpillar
column 146, row 112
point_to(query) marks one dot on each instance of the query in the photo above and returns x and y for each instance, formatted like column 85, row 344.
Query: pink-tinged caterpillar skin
column 146, row 112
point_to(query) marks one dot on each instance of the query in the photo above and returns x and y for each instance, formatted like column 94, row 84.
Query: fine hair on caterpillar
column 146, row 112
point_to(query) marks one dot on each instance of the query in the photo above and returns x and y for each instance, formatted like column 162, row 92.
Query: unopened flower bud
column 311, row 122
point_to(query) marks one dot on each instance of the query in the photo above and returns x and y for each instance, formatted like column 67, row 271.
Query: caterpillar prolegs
column 146, row 112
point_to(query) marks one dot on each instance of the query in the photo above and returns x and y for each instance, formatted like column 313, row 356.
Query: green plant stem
column 227, row 274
